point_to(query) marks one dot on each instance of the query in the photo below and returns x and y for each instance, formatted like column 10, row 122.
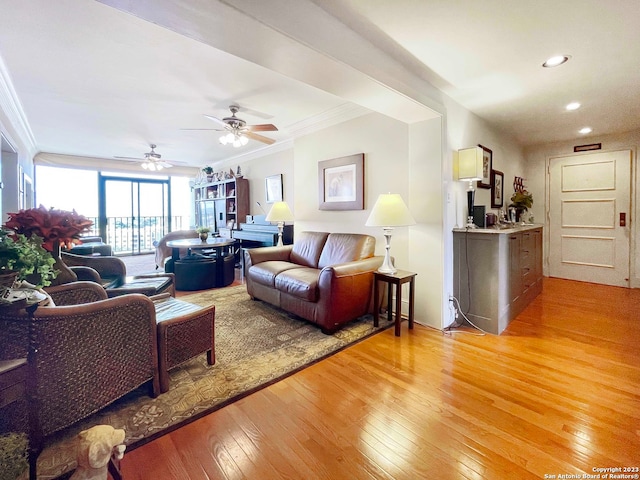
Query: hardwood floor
column 558, row 393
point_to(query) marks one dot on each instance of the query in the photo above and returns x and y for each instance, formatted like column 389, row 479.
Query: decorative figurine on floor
column 95, row 449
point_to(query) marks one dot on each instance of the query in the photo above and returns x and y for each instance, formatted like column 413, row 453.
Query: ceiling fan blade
column 264, row 127
column 134, row 159
column 259, row 138
column 217, row 120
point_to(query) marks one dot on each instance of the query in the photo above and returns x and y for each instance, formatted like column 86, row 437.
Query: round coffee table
column 222, row 249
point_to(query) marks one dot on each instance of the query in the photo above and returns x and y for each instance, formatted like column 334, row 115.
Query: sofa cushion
column 265, row 272
column 346, row 247
column 307, row 248
column 299, row 282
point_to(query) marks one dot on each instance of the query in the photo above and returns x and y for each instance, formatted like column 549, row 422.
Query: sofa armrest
column 368, row 265
column 106, row 266
column 253, row 256
column 86, row 274
column 348, row 287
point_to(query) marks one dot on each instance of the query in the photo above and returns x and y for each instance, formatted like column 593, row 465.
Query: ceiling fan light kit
column 238, row 132
column 152, row 161
column 235, row 139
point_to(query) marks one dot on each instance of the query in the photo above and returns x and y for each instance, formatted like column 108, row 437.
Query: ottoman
column 185, row 331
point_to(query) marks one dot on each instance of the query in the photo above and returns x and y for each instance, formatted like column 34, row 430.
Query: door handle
column 623, row 219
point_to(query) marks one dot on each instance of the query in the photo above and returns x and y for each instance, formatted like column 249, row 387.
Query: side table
column 397, row 279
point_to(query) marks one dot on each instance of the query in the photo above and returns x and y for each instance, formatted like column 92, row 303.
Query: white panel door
column 588, row 196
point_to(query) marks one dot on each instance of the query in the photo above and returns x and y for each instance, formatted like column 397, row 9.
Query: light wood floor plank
column 557, row 393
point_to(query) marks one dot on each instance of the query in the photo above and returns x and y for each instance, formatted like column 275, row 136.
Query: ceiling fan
column 238, row 132
column 152, row 160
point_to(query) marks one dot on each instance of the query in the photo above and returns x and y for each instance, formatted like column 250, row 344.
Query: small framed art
column 487, row 160
column 273, row 188
column 497, row 189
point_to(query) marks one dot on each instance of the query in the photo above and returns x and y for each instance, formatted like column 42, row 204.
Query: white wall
column 257, row 169
column 464, row 129
column 9, row 172
column 427, row 248
column 537, row 158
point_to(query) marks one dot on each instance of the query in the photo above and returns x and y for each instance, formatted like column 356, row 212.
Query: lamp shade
column 280, row 212
column 390, row 211
column 470, row 164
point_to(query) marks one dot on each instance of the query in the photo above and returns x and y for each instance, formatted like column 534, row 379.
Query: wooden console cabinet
column 497, row 273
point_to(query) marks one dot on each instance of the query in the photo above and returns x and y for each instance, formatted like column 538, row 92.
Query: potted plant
column 521, row 201
column 208, row 171
column 56, row 228
column 203, row 232
column 23, row 258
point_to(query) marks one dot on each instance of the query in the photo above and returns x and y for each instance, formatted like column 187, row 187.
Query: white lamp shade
column 470, row 164
column 390, row 211
column 280, row 212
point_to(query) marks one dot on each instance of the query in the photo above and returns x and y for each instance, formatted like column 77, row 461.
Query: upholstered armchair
column 111, row 273
column 85, row 356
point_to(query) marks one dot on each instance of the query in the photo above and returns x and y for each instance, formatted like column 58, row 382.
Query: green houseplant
column 56, row 229
column 522, row 201
column 24, row 258
column 203, row 232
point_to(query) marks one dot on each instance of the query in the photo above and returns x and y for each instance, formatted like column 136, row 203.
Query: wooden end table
column 397, row 279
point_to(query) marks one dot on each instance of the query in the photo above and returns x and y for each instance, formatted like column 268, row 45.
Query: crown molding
column 12, row 108
column 259, row 153
column 334, row 116
column 339, row 114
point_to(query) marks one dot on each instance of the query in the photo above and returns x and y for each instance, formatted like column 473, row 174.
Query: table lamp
column 389, row 211
column 280, row 213
column 470, row 169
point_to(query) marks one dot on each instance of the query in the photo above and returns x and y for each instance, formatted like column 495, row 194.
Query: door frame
column 102, row 201
column 633, row 221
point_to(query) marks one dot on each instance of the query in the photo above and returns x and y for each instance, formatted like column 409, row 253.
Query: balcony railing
column 132, row 235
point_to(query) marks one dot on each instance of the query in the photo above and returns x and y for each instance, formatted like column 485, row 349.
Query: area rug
column 256, row 345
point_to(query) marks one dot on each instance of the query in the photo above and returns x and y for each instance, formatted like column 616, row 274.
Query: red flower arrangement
column 52, row 225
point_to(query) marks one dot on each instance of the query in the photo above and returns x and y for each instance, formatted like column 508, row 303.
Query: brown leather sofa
column 326, row 278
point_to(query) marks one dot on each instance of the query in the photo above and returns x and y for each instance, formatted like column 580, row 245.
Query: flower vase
column 65, row 274
column 204, row 236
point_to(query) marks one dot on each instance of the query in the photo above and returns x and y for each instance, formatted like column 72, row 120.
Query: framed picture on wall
column 497, row 189
column 341, row 183
column 487, row 160
column 273, row 188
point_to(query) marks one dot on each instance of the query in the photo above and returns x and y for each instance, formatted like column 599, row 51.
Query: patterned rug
column 256, row 345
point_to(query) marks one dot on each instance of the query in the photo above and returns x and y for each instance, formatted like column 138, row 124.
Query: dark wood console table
column 397, row 279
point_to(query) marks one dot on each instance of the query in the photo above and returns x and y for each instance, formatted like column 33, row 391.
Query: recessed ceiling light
column 573, row 106
column 556, row 60
column 586, row 130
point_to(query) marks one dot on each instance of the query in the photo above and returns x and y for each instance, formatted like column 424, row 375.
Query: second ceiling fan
column 238, row 130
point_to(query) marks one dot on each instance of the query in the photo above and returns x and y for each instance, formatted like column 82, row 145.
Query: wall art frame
column 273, row 188
column 497, row 189
column 341, row 183
column 487, row 165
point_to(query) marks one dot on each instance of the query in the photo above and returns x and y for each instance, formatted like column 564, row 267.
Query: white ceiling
column 99, row 81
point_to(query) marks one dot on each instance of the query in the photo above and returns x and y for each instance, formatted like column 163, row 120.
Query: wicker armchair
column 112, row 275
column 86, row 356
